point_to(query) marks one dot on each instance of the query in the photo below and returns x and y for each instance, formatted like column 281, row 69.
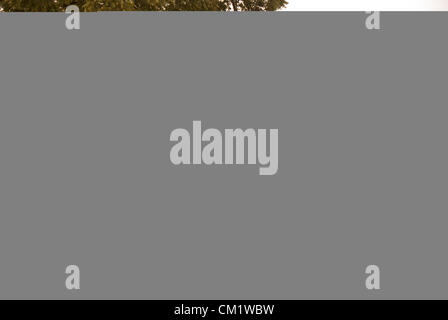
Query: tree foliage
column 141, row 5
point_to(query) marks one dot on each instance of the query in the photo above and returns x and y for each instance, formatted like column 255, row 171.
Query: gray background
column 85, row 175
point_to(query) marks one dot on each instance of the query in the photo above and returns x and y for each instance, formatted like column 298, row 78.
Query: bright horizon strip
column 367, row 5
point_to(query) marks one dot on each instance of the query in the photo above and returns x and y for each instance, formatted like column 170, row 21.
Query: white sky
column 367, row 5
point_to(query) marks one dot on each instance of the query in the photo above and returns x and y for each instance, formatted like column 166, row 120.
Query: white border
column 367, row 5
